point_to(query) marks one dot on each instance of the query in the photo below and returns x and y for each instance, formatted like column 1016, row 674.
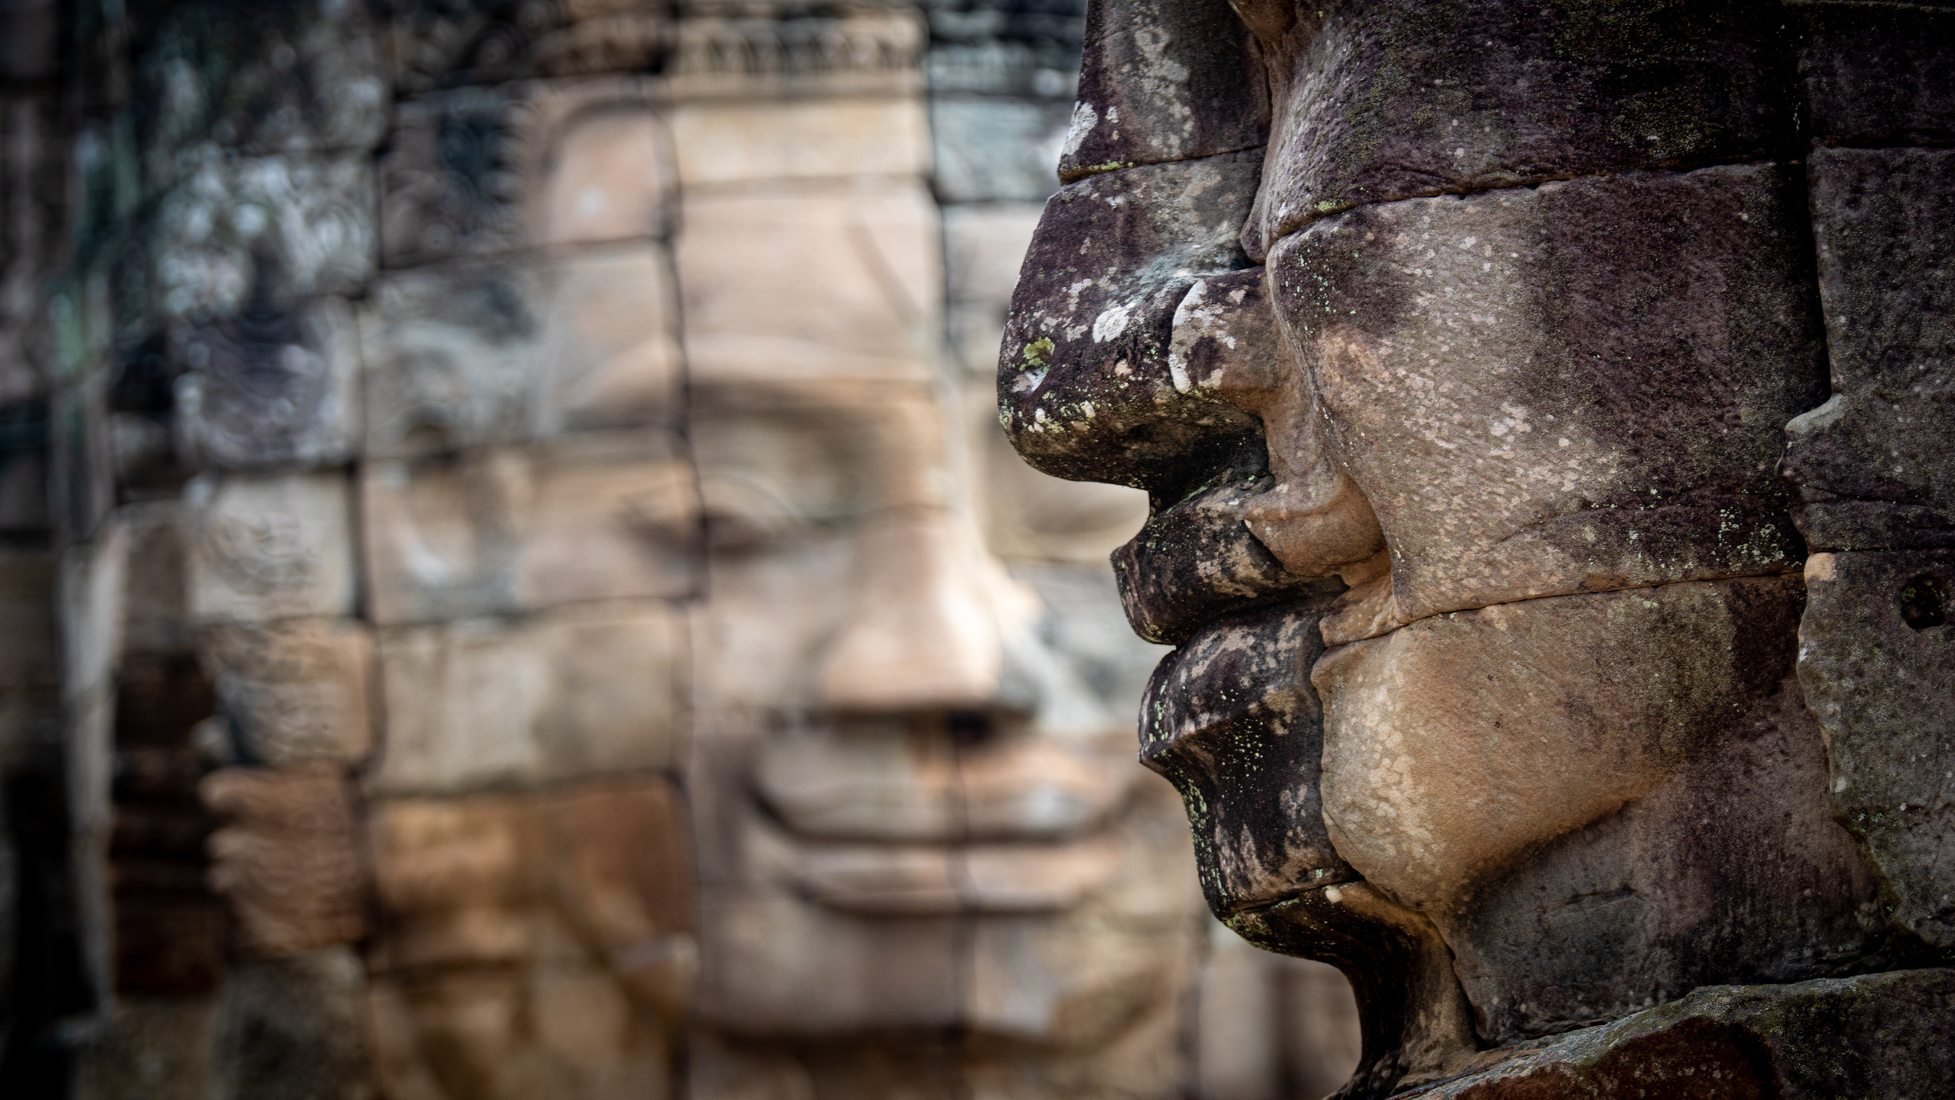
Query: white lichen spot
column 1112, row 322
column 1084, row 119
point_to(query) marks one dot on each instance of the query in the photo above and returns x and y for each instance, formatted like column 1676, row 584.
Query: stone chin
column 1231, row 719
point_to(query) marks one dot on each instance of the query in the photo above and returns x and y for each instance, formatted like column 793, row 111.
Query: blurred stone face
column 917, row 810
column 1483, row 458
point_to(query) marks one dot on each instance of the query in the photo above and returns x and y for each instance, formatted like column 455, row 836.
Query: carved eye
column 747, row 514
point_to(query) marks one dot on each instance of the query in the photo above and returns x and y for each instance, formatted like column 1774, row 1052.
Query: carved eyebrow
column 747, row 393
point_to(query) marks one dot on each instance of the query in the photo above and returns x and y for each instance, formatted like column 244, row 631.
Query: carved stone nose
column 1227, row 343
column 925, row 634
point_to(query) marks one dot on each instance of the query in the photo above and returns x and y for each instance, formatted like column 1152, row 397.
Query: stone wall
column 482, row 440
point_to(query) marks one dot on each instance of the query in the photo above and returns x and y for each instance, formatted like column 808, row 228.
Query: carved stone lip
column 1063, row 801
column 1326, row 884
column 1232, row 721
column 944, row 880
column 1196, row 562
column 1215, row 684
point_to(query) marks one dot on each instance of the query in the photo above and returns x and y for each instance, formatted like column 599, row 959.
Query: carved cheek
column 1456, row 745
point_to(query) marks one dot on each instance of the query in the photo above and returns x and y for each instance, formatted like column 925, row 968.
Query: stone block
column 876, row 785
column 611, row 517
column 768, row 960
column 453, row 880
column 590, row 517
column 1323, row 1038
column 1563, row 411
column 798, row 53
column 269, row 386
column 563, row 1030
column 720, row 142
column 484, row 703
column 595, row 875
column 756, row 1069
column 1424, row 97
column 1147, row 1057
column 1881, row 219
column 291, row 77
column 438, row 43
column 1876, row 74
column 1874, row 651
column 294, row 692
column 1023, row 51
column 155, row 608
column 1304, row 1039
column 1163, row 81
column 1869, row 465
column 265, row 548
column 994, row 149
column 812, row 281
column 782, row 456
column 476, row 354
column 1051, row 982
column 1132, row 873
column 1808, row 1041
column 161, row 1048
column 290, row 1029
column 238, row 230
column 610, row 343
column 286, row 857
column 480, row 171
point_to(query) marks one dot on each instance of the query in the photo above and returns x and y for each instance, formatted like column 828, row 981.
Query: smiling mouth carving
column 924, row 827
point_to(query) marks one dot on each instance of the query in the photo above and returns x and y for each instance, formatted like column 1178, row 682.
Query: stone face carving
column 382, row 337
column 443, row 42
column 909, row 806
column 265, row 548
column 1460, row 386
column 286, row 857
column 287, row 77
column 277, row 228
column 269, row 386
